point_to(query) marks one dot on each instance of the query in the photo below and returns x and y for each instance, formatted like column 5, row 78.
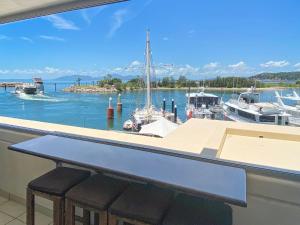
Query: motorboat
column 294, row 111
column 202, row 105
column 248, row 108
column 37, row 87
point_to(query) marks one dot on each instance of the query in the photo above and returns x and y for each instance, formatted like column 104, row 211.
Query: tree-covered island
column 110, row 84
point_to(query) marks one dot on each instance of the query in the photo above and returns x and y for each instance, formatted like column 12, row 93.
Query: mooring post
column 172, row 109
column 119, row 104
column 175, row 114
column 110, row 109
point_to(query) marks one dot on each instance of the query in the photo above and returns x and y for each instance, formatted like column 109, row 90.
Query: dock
column 10, row 84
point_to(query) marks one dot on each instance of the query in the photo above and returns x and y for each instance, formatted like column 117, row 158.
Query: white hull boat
column 247, row 108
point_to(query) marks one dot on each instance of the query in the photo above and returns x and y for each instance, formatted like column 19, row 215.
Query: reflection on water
column 89, row 110
column 110, row 124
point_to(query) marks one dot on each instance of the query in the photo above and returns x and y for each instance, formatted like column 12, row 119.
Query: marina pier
column 10, row 84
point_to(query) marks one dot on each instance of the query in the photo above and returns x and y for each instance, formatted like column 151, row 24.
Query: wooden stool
column 94, row 194
column 140, row 205
column 189, row 210
column 53, row 186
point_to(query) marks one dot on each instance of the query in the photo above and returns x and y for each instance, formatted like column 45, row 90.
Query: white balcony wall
column 271, row 201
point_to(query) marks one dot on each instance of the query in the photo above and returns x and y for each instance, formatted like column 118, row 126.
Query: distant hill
column 75, row 77
column 277, row 76
column 90, row 78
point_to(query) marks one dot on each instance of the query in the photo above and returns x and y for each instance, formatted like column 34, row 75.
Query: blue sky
column 203, row 38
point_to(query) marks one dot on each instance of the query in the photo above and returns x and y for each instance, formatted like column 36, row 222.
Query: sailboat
column 149, row 113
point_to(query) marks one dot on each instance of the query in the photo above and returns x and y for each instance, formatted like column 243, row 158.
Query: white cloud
column 297, row 65
column 165, row 38
column 89, row 14
column 40, row 71
column 118, row 20
column 27, row 39
column 52, row 38
column 61, row 23
column 238, row 66
column 191, row 32
column 275, row 64
column 137, row 68
column 211, row 65
column 4, row 38
column 135, row 63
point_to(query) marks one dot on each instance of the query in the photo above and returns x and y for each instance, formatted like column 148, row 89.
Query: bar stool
column 189, row 210
column 53, row 186
column 140, row 205
column 94, row 194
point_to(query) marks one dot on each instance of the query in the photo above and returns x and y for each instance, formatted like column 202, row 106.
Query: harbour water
column 89, row 110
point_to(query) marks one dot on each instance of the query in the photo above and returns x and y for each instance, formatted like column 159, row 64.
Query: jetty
column 10, row 84
column 90, row 89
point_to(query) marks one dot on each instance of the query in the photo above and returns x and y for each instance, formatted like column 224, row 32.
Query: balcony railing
column 270, row 155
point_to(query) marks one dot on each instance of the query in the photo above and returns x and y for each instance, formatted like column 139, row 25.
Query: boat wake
column 38, row 97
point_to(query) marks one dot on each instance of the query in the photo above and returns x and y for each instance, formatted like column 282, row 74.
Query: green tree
column 181, row 82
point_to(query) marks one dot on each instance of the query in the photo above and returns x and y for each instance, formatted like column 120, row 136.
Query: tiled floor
column 13, row 213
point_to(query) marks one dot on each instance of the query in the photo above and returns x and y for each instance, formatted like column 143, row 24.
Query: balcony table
column 224, row 183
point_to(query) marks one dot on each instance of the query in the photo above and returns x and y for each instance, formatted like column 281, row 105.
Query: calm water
column 89, row 110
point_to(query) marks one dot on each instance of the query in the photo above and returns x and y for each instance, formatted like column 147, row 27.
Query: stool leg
column 96, row 218
column 58, row 210
column 86, row 217
column 70, row 212
column 112, row 220
column 103, row 218
column 30, row 207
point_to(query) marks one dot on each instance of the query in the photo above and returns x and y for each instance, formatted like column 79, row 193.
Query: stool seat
column 58, row 181
column 98, row 191
column 142, row 203
column 189, row 210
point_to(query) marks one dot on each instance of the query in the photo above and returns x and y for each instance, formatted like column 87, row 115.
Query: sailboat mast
column 148, row 70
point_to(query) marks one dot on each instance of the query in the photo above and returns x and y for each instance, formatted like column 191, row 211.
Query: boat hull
column 29, row 90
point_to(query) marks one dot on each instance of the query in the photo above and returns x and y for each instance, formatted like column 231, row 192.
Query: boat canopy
column 201, row 94
column 161, row 128
column 15, row 10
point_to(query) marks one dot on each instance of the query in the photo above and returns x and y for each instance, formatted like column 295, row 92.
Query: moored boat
column 202, row 105
column 149, row 113
column 248, row 108
column 294, row 111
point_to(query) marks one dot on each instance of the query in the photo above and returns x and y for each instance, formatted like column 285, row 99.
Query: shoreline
column 101, row 90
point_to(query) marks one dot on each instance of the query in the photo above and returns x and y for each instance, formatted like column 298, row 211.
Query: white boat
column 202, row 105
column 37, row 87
column 293, row 97
column 248, row 108
column 294, row 111
column 149, row 113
